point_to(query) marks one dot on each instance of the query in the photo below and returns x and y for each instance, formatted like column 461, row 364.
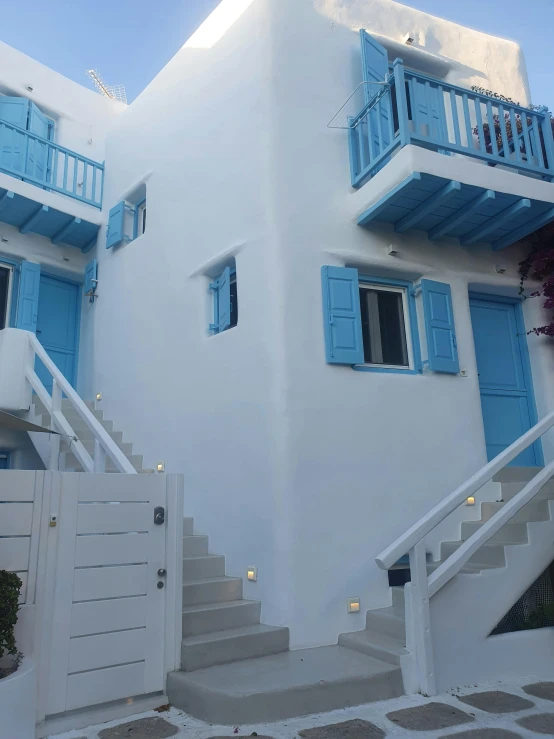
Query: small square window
column 385, row 326
column 225, row 303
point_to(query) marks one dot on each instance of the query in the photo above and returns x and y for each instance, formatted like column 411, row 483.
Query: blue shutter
column 91, row 273
column 224, row 300
column 27, row 304
column 13, row 144
column 38, row 153
column 375, row 68
column 439, row 327
column 342, row 323
column 428, row 111
column 114, row 234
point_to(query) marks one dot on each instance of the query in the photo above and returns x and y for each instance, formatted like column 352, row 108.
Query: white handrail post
column 99, row 457
column 421, row 620
column 55, row 438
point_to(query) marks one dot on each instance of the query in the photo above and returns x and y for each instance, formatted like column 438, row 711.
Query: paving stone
column 496, row 701
column 354, row 729
column 483, row 734
column 541, row 723
column 431, row 717
column 540, row 690
column 142, row 728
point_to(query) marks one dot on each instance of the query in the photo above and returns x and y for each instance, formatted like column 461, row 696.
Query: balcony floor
column 472, row 213
column 31, row 216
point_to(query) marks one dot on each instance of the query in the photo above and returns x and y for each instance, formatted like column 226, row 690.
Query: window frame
column 139, row 224
column 410, row 325
column 9, row 292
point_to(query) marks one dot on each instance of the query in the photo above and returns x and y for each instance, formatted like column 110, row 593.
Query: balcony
column 483, row 203
column 49, row 168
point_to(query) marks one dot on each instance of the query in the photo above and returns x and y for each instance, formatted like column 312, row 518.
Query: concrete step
column 230, row 645
column 201, row 566
column 283, row 685
column 73, row 415
column 388, row 621
column 511, row 489
column 88, row 443
column 188, row 524
column 511, row 533
column 195, row 545
column 516, row 474
column 383, row 647
column 398, row 599
column 212, row 590
column 488, row 555
column 536, row 510
column 79, row 426
column 202, row 619
column 466, row 569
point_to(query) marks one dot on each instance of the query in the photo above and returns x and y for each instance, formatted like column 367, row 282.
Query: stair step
column 466, row 569
column 536, row 510
column 511, row 489
column 126, row 448
column 230, row 645
column 195, row 545
column 488, row 555
column 68, row 460
column 383, row 647
column 516, row 474
column 231, row 614
column 388, row 621
column 511, row 533
column 398, row 598
column 201, row 566
column 284, row 685
column 212, row 590
column 188, row 524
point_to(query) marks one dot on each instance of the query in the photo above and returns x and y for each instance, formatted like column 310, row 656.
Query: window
column 384, row 329
column 225, row 304
column 5, row 295
column 140, row 218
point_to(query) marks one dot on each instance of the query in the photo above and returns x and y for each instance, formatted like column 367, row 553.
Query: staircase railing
column 424, row 586
column 104, row 446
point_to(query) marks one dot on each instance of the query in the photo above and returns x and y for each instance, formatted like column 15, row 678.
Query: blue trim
column 525, row 360
column 412, row 319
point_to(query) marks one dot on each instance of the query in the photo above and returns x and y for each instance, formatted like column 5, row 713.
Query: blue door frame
column 505, row 381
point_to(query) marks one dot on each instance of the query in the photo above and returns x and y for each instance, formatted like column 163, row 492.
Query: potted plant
column 17, row 673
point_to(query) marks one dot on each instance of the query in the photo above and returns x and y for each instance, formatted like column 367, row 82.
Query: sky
column 129, row 41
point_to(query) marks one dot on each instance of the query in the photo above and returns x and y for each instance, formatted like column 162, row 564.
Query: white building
column 325, row 347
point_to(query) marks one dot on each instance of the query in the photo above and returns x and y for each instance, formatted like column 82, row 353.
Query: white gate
column 107, row 608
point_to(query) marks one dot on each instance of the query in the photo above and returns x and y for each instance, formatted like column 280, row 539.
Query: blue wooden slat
column 461, row 216
column 526, row 139
column 537, row 139
column 375, row 210
column 548, row 138
column 479, row 120
column 490, row 119
column 524, row 230
column 467, row 120
column 455, row 118
column 401, row 102
column 515, row 135
column 503, row 132
column 507, row 215
column 417, row 215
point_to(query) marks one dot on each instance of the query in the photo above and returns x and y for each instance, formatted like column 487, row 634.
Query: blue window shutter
column 13, row 144
column 342, row 322
column 91, row 273
column 27, row 304
column 38, row 153
column 428, row 110
column 439, row 327
column 375, row 68
column 114, row 234
column 224, row 300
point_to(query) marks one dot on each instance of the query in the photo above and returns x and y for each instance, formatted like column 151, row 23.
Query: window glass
column 384, row 326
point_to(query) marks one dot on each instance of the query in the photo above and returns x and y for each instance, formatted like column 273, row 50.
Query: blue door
column 58, row 326
column 507, row 399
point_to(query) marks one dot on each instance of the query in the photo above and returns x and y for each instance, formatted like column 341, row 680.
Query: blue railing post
column 548, row 139
column 401, row 102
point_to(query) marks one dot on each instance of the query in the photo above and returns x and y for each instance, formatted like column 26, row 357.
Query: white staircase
column 68, row 461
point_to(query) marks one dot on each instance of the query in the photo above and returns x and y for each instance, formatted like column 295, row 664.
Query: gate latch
column 159, row 515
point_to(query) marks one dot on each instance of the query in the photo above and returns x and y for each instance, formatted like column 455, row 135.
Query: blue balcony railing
column 415, row 109
column 43, row 163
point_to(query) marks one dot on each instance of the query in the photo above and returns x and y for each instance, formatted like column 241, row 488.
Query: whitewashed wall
column 299, row 468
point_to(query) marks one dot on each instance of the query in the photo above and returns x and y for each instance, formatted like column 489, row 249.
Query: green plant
column 10, row 585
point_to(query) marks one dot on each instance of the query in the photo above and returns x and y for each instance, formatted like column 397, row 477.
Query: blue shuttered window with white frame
column 346, row 341
column 225, row 303
column 124, row 218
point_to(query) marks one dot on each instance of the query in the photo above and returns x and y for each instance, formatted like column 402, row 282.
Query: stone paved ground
column 500, row 711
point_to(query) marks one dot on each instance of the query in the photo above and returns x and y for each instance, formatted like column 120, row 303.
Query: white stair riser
column 196, row 593
column 209, row 653
column 398, row 598
column 69, row 461
column 198, row 568
column 533, row 511
column 195, row 545
column 217, row 619
column 386, row 624
column 369, row 647
column 510, row 534
column 511, row 489
column 126, row 448
column 486, row 555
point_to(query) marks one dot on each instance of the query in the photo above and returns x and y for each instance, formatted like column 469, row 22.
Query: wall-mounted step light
column 353, row 605
column 252, row 574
